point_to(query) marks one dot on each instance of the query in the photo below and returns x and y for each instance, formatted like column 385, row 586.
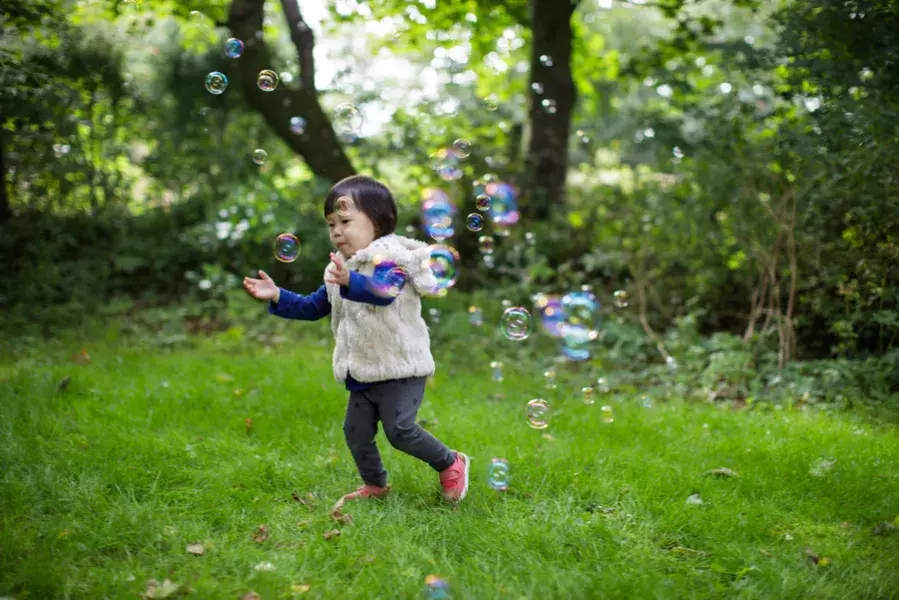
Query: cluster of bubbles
column 499, row 200
column 447, row 162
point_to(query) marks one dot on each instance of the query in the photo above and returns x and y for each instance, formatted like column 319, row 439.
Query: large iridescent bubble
column 444, row 263
column 437, row 212
column 388, row 279
column 552, row 315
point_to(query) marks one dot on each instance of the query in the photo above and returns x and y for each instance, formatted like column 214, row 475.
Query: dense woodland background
column 732, row 165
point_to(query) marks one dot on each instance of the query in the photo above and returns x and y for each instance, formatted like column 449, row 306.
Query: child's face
column 351, row 231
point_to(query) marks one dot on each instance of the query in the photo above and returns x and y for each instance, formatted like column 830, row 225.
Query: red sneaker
column 364, row 492
column 454, row 480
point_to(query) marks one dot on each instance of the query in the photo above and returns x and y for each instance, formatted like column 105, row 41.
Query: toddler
column 382, row 348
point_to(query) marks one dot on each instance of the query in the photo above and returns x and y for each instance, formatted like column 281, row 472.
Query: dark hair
column 370, row 196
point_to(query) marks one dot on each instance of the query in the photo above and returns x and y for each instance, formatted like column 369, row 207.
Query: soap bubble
column 602, row 384
column 286, row 247
column 347, row 119
column 474, row 222
column 446, row 163
column 546, row 60
column 475, row 316
column 267, row 80
column 216, row 83
column 435, row 315
column 485, row 244
column 578, row 331
column 587, row 394
column 482, row 202
column 387, row 279
column 530, row 238
column 608, row 415
column 503, row 200
column 671, row 363
column 620, row 297
column 537, row 87
column 496, row 369
column 260, row 156
column 297, row 125
column 498, row 474
column 646, row 401
column 549, row 106
column 552, row 316
column 344, row 205
column 437, row 212
column 462, row 148
column 516, row 323
column 550, row 378
column 436, row 588
column 233, row 48
column 538, row 412
column 444, row 261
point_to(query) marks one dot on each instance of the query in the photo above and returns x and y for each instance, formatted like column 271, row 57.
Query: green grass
column 104, row 485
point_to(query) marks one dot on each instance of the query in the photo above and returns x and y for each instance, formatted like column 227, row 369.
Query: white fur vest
column 377, row 343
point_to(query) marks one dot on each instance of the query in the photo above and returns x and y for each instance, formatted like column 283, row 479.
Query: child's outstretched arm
column 287, row 304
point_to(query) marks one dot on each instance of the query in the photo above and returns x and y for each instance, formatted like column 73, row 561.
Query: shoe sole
column 467, row 469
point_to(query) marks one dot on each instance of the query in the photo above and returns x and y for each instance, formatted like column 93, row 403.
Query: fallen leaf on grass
column 224, row 377
column 307, row 501
column 261, row 534
column 166, row 589
column 331, row 534
column 722, row 472
column 63, row 383
column 251, row 596
column 885, row 529
column 342, row 518
column 248, row 423
column 814, row 557
column 300, row 589
column 367, row 559
column 694, row 499
column 195, row 549
column 548, row 437
column 264, row 566
column 82, row 357
column 845, row 524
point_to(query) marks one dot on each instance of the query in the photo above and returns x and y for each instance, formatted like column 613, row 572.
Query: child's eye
column 345, row 221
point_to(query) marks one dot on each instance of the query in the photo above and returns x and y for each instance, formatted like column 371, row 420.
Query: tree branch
column 303, row 40
column 318, row 145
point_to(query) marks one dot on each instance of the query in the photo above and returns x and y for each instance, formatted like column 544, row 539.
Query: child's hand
column 337, row 272
column 264, row 289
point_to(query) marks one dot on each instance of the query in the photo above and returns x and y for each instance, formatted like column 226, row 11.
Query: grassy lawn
column 106, row 483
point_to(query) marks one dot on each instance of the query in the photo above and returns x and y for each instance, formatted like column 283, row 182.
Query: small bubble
column 475, row 316
column 537, row 412
column 475, row 222
column 602, row 385
column 462, row 148
column 267, row 80
column 516, row 323
column 216, row 83
column 498, row 474
column 260, row 156
column 546, row 60
column 587, row 394
column 233, row 48
column 344, row 206
column 621, row 299
column 497, row 371
column 482, row 202
column 549, row 106
column 608, row 415
column 550, row 379
column 297, row 125
column 347, row 118
column 537, row 88
column 485, row 244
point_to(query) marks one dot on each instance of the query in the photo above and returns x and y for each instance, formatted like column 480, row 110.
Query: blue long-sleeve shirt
column 316, row 306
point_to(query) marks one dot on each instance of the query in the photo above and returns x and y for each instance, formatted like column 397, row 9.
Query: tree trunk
column 319, row 145
column 552, row 95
